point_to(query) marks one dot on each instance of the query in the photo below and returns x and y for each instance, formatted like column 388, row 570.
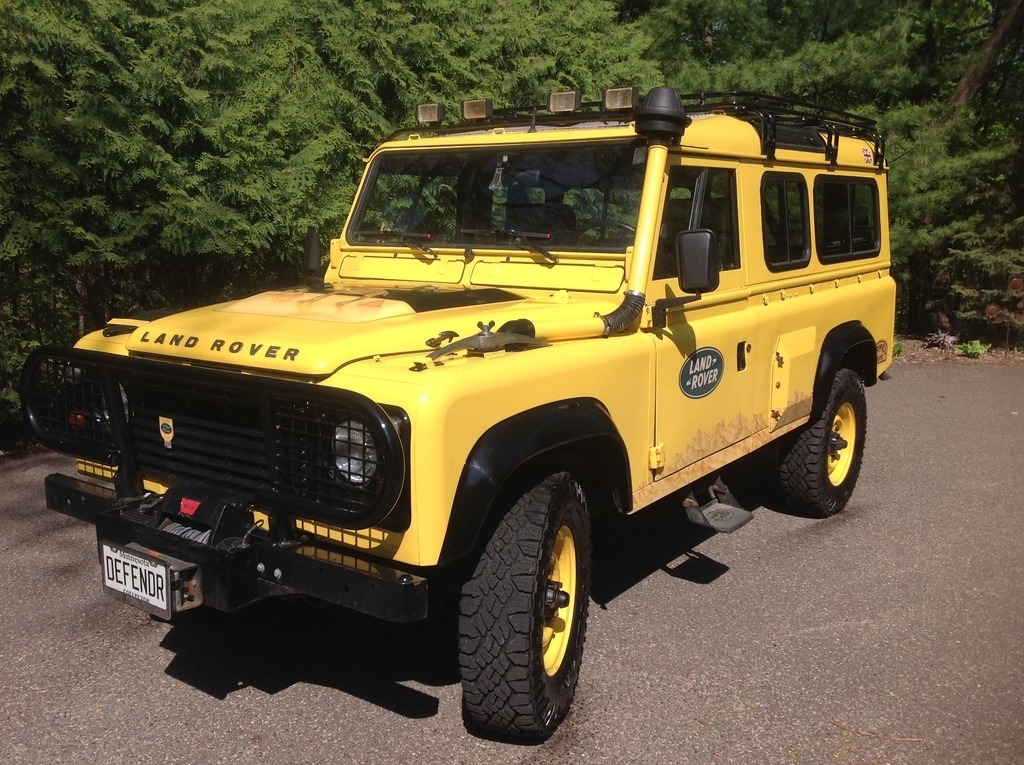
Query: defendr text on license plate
column 136, row 578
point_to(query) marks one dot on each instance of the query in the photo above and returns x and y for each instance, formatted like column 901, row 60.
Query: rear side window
column 845, row 218
column 785, row 221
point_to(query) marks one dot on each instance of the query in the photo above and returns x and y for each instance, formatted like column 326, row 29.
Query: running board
column 720, row 510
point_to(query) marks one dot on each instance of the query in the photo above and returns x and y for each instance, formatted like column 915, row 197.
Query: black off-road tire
column 819, row 469
column 519, row 655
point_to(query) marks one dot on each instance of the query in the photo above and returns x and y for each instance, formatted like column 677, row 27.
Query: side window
column 785, row 221
column 845, row 218
column 698, row 197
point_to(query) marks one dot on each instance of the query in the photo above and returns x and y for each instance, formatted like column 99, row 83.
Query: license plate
column 137, row 578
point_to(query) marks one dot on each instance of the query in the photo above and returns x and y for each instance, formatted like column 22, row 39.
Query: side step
column 720, row 510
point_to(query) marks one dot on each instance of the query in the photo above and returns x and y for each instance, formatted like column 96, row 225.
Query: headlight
column 355, row 453
column 103, row 417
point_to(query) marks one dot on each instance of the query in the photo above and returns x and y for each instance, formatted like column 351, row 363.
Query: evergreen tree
column 942, row 77
column 167, row 153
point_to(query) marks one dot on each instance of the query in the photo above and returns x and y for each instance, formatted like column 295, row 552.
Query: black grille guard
column 276, row 440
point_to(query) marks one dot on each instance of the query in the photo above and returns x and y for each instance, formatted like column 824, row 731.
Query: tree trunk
column 1007, row 27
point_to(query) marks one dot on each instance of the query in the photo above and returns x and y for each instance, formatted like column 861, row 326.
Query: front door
column 705, row 381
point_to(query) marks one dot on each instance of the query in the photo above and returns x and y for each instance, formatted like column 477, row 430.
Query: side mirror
column 697, row 260
column 311, row 260
column 311, row 252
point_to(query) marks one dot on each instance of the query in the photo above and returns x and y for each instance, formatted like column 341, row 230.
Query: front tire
column 819, row 469
column 523, row 613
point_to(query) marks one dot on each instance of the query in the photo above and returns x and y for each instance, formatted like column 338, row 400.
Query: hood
column 307, row 333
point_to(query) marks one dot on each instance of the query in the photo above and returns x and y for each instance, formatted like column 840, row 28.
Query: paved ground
column 893, row 633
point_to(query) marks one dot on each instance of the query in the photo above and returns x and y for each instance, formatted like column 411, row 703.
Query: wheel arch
column 574, row 435
column 847, row 346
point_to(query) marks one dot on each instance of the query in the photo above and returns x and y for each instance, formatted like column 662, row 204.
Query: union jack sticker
column 868, row 156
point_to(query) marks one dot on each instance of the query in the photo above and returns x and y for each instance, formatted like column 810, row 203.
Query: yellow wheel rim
column 558, row 626
column 842, row 444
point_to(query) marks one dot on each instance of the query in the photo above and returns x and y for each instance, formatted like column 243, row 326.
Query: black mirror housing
column 311, row 252
column 697, row 260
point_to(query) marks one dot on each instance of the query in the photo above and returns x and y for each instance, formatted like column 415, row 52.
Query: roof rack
column 779, row 121
column 527, row 116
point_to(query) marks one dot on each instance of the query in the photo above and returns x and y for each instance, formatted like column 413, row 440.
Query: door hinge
column 656, row 457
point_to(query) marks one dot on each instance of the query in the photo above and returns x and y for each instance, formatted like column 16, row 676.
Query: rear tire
column 523, row 613
column 819, row 469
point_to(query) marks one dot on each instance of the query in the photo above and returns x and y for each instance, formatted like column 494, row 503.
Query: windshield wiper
column 411, row 238
column 524, row 240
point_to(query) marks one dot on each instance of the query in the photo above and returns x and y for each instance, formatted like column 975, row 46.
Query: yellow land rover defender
column 532, row 318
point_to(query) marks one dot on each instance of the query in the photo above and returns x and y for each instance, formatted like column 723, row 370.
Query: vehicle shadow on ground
column 277, row 643
column 631, row 548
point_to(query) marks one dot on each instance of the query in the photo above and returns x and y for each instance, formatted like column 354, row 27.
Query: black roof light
column 430, row 114
column 565, row 101
column 477, row 109
column 617, row 99
column 662, row 116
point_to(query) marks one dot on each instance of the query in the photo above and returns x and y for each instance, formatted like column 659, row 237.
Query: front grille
column 217, row 434
column 287, row 444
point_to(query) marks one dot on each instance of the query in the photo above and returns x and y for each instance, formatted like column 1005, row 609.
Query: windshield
column 568, row 197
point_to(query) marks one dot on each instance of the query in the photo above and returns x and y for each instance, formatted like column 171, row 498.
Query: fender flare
column 847, row 345
column 511, row 444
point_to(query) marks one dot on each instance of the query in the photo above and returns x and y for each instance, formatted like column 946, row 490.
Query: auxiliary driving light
column 430, row 114
column 565, row 101
column 615, row 99
column 477, row 109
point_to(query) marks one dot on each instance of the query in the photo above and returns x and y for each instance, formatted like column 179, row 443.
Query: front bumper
column 236, row 575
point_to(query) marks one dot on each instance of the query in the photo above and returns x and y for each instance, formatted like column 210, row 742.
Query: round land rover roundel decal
column 701, row 373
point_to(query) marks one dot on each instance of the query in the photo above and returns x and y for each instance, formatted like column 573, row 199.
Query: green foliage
column 169, row 153
column 172, row 152
column 897, row 348
column 956, row 180
column 972, row 349
column 818, row 51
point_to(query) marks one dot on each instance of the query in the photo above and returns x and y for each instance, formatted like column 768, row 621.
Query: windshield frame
column 571, row 196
